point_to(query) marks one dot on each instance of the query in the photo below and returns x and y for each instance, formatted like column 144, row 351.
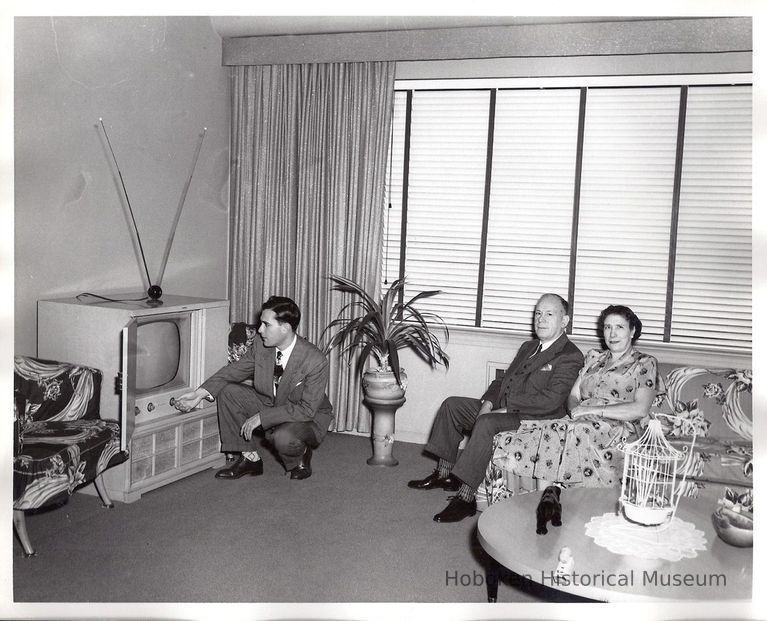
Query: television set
column 150, row 355
column 162, row 354
column 164, row 361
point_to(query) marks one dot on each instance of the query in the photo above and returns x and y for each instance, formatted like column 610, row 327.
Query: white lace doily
column 678, row 540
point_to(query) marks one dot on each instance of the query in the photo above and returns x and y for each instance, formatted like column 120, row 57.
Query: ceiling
column 269, row 25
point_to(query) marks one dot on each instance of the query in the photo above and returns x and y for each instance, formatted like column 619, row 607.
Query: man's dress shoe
column 435, row 481
column 456, row 510
column 240, row 468
column 304, row 469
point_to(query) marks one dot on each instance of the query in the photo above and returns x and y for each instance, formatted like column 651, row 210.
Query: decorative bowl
column 733, row 528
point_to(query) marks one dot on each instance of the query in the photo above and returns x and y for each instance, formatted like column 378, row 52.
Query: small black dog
column 549, row 509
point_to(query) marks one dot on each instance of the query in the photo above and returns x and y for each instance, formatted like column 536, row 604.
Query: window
column 629, row 194
column 712, row 290
column 531, row 203
column 629, row 157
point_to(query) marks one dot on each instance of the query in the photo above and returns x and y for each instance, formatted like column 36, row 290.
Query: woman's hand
column 487, row 408
column 594, row 411
column 484, row 408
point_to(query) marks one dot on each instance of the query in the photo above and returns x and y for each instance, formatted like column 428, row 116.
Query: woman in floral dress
column 614, row 390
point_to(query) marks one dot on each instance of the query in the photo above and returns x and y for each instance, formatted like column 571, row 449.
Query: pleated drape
column 309, row 149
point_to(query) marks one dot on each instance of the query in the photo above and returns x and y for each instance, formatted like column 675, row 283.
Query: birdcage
column 651, row 486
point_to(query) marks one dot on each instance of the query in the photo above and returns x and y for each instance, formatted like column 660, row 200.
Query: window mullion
column 486, row 207
column 675, row 215
column 405, row 182
column 576, row 204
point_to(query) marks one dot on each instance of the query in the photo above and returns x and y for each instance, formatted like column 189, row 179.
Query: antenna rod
column 130, row 209
column 179, row 208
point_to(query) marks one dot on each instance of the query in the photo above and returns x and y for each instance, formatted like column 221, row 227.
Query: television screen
column 158, row 353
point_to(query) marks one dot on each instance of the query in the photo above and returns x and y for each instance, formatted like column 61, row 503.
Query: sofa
column 717, row 403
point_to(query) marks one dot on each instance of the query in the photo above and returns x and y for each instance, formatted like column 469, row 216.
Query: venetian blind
column 627, row 242
column 393, row 193
column 531, row 203
column 629, row 156
column 448, row 149
column 712, row 285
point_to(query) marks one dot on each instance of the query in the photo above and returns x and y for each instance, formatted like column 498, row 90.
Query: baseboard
column 412, row 437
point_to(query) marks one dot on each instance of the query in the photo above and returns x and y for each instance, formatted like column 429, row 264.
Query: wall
column 157, row 82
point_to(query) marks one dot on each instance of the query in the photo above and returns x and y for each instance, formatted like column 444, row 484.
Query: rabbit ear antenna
column 180, row 207
column 154, row 291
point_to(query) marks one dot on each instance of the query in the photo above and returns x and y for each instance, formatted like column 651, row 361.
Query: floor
column 350, row 533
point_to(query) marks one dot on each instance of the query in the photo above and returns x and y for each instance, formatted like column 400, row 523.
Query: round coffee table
column 506, row 531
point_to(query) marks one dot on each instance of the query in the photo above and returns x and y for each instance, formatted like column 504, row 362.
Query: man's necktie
column 278, row 370
column 537, row 350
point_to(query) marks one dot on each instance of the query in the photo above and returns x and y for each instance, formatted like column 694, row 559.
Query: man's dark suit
column 298, row 415
column 534, row 386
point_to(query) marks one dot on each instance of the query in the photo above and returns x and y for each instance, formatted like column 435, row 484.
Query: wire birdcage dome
column 651, row 487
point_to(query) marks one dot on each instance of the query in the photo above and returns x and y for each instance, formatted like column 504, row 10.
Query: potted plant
column 378, row 328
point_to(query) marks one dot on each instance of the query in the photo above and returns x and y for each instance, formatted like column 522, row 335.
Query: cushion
column 45, row 389
column 55, row 457
column 717, row 402
column 716, row 462
column 241, row 337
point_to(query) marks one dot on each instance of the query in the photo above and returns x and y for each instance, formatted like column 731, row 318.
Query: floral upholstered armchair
column 715, row 402
column 60, row 442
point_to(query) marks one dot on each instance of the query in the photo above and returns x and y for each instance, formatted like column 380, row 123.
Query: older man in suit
column 535, row 385
column 287, row 399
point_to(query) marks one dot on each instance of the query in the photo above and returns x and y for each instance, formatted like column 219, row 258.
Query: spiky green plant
column 383, row 327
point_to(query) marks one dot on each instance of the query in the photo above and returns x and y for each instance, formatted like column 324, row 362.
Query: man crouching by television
column 287, row 398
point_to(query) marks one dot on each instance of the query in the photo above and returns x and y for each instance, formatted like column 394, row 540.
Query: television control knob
column 172, row 401
column 149, row 406
column 137, row 410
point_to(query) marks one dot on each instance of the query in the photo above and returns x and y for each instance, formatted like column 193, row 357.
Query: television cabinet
column 149, row 355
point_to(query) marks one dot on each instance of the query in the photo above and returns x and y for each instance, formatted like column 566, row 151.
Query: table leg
column 492, row 576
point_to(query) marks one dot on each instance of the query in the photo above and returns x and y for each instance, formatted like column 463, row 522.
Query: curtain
column 309, row 149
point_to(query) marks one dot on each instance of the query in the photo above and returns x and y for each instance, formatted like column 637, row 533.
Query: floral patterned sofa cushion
column 715, row 402
column 61, row 443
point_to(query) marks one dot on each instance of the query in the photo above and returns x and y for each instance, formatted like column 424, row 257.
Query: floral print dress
column 583, row 452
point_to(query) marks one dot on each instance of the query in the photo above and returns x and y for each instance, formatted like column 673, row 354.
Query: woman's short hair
column 625, row 312
column 284, row 309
